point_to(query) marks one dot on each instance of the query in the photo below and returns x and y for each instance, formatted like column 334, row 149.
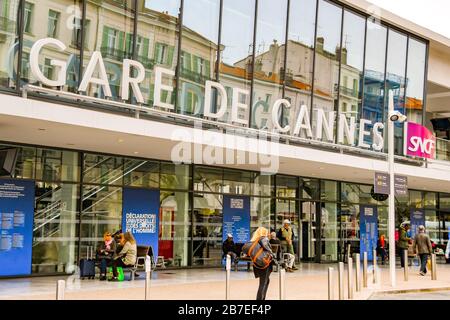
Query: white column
column 391, row 221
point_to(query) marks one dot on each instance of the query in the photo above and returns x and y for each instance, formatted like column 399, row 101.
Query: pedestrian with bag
column 422, row 244
column 286, row 236
column 259, row 250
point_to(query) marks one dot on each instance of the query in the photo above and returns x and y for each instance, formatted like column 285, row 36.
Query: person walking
column 403, row 242
column 261, row 235
column 382, row 248
column 286, row 236
column 422, row 244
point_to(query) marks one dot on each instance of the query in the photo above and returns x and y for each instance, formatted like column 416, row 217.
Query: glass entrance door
column 308, row 235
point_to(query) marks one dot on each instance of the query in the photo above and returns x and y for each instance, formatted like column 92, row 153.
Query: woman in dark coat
column 262, row 235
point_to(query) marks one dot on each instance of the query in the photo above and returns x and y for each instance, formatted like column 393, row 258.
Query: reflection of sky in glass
column 329, row 25
column 202, row 16
column 271, row 24
column 396, row 62
column 237, row 29
column 171, row 6
column 302, row 21
column 416, row 69
column 353, row 39
column 376, row 46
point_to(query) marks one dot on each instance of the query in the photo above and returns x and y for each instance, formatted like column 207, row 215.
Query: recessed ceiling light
column 322, row 168
column 120, row 140
column 136, row 152
column 71, row 144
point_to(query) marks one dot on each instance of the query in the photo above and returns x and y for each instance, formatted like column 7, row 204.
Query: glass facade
column 79, row 197
column 312, row 53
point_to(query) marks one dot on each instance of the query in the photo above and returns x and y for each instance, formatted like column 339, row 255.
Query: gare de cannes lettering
column 370, row 135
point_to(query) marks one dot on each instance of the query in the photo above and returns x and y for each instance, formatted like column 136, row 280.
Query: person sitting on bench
column 229, row 247
column 126, row 257
column 105, row 253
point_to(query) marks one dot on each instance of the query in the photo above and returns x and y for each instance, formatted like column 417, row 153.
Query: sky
column 431, row 14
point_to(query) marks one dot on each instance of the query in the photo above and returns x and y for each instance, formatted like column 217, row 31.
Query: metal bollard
column 374, row 253
column 148, row 277
column 60, row 289
column 358, row 272
column 405, row 268
column 349, row 249
column 350, row 278
column 282, row 283
column 341, row 280
column 433, row 267
column 365, row 270
column 228, row 267
column 330, row 284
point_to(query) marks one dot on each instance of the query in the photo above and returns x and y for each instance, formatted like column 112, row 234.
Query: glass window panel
column 207, row 226
column 269, row 60
column 103, row 169
column 395, row 79
column 287, row 187
column 300, row 57
column 55, row 231
column 416, row 199
column 236, row 182
column 9, row 38
column 262, row 185
column 110, row 28
column 141, row 173
column 157, row 44
column 175, row 176
column 328, row 190
column 260, row 209
column 373, row 107
column 352, row 64
column 236, row 53
column 415, row 80
column 432, row 225
column 101, row 212
column 57, row 165
column 199, row 53
column 61, row 17
column 328, row 45
column 444, row 201
column 430, row 200
column 175, row 227
column 25, row 161
column 329, row 226
column 310, row 188
column 208, row 179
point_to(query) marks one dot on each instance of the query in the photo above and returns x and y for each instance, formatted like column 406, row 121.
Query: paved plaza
column 308, row 283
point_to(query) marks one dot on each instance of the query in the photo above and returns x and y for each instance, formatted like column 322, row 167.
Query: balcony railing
column 115, row 54
column 442, row 149
column 349, row 92
column 7, row 24
column 193, row 76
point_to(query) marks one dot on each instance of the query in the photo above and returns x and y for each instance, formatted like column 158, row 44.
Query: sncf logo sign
column 420, row 142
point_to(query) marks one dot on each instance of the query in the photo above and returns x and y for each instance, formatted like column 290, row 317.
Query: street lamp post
column 394, row 116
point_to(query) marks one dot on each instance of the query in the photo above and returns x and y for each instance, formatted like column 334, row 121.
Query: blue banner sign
column 16, row 227
column 236, row 218
column 140, row 216
column 368, row 230
column 417, row 219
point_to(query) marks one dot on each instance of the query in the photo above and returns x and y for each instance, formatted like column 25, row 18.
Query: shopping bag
column 429, row 264
column 120, row 274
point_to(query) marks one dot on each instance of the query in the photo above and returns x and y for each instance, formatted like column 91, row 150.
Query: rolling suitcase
column 87, row 266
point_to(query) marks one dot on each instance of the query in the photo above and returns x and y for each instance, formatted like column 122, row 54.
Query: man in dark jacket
column 422, row 244
column 229, row 247
column 403, row 242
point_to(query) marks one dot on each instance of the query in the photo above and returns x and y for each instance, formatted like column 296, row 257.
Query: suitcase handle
column 90, row 252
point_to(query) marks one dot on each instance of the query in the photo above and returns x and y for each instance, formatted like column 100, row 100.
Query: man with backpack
column 422, row 244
